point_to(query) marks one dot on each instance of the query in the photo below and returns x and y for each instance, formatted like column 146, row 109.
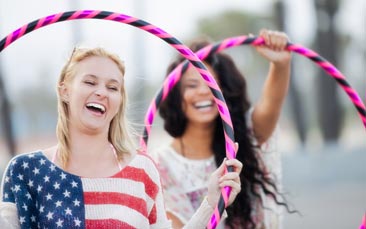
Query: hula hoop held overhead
column 175, row 43
column 175, row 75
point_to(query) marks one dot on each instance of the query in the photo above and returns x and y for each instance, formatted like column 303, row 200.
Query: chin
column 94, row 127
column 206, row 120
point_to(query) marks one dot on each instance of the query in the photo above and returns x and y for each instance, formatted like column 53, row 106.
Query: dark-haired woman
column 192, row 119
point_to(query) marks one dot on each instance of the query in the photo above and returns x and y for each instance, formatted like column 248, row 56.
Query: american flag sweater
column 48, row 197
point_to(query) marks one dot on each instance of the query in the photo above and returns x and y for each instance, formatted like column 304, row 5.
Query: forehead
column 192, row 73
column 100, row 67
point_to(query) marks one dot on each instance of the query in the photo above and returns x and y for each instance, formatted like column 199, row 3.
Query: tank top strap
column 113, row 150
column 115, row 155
column 54, row 155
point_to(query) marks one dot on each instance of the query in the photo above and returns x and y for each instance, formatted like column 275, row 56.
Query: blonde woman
column 93, row 177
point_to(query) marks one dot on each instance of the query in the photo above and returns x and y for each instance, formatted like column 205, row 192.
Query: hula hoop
column 175, row 43
column 176, row 74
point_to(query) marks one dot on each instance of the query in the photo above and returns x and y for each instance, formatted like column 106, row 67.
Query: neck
column 196, row 142
column 87, row 145
column 91, row 156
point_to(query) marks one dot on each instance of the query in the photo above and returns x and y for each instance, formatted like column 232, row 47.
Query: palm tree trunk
column 6, row 118
column 330, row 115
column 294, row 97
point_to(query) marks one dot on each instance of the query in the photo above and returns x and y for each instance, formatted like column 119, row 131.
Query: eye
column 112, row 88
column 191, row 85
column 89, row 82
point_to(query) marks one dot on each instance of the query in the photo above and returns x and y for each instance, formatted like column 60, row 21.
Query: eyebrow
column 96, row 77
column 191, row 79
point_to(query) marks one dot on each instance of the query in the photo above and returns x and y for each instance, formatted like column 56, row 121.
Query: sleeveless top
column 185, row 181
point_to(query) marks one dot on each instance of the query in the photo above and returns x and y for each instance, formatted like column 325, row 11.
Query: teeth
column 203, row 103
column 96, row 105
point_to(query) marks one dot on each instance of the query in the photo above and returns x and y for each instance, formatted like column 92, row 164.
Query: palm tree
column 330, row 115
column 6, row 117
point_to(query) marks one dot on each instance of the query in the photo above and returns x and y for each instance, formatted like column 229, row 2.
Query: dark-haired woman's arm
column 267, row 110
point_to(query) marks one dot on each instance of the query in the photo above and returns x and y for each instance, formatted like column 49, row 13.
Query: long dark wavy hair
column 254, row 178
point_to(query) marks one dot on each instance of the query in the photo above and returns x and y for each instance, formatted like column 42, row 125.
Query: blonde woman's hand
column 9, row 216
column 220, row 179
column 274, row 48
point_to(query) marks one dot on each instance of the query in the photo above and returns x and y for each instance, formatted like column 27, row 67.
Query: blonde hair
column 119, row 128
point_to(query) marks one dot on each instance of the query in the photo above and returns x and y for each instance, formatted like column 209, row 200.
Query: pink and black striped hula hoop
column 176, row 74
column 175, row 43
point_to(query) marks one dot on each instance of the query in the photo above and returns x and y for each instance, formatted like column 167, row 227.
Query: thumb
column 221, row 169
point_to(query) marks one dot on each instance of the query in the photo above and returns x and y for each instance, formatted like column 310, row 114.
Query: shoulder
column 19, row 168
column 145, row 162
column 143, row 159
column 165, row 155
column 161, row 152
column 24, row 160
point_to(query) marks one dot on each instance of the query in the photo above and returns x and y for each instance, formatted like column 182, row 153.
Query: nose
column 204, row 89
column 101, row 92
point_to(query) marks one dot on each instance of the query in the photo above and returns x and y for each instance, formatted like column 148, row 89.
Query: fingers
column 233, row 176
column 274, row 39
column 232, row 180
column 230, row 183
column 238, row 166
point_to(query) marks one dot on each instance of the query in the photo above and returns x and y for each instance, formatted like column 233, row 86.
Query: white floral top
column 185, row 182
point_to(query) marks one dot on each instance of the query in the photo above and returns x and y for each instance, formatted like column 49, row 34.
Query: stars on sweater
column 59, row 223
column 21, row 219
column 76, row 202
column 66, row 193
column 16, row 188
column 58, row 203
column 46, row 179
column 49, row 215
column 25, row 165
column 35, row 171
column 48, row 197
column 20, row 176
column 74, row 184
column 68, row 211
column 63, row 176
column 56, row 185
column 77, row 222
column 52, row 167
column 30, row 183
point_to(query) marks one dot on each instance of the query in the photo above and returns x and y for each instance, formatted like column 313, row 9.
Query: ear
column 63, row 92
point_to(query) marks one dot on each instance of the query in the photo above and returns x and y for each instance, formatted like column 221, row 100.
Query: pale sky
column 47, row 49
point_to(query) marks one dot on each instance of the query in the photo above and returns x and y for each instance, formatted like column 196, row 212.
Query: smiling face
column 198, row 102
column 93, row 94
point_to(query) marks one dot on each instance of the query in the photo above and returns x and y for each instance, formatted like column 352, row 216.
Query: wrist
column 280, row 66
column 281, row 63
column 210, row 202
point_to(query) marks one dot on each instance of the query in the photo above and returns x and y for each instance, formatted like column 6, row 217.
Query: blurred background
column 322, row 141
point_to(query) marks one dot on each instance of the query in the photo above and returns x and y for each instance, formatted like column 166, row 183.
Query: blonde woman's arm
column 9, row 215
